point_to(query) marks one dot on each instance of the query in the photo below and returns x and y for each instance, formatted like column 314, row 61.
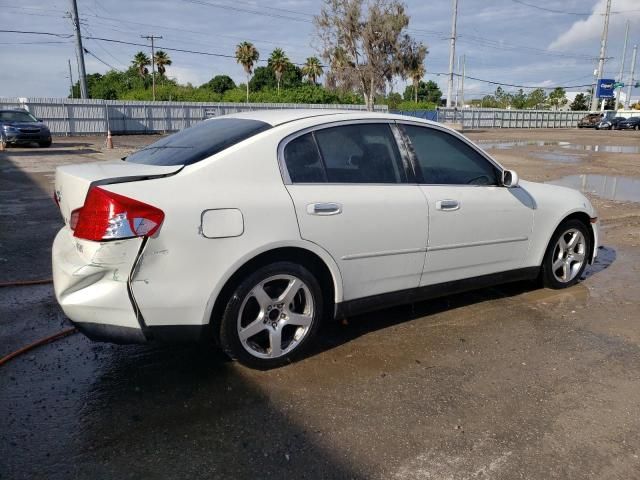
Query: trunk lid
column 73, row 181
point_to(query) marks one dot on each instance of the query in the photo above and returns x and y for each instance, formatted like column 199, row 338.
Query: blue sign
column 606, row 87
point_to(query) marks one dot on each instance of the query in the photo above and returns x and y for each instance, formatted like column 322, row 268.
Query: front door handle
column 324, row 208
column 447, row 205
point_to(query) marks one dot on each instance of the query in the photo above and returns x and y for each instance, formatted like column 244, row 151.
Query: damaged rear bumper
column 92, row 283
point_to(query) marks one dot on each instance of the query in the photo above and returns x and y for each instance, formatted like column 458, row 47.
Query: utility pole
column 79, row 50
column 153, row 62
column 632, row 79
column 452, row 52
column 603, row 52
column 464, row 61
column 624, row 56
column 457, row 83
column 70, row 77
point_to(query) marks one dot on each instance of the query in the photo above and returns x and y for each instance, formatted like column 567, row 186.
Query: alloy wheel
column 275, row 316
column 569, row 255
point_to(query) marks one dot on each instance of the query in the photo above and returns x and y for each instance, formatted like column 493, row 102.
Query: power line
column 564, row 12
column 246, row 10
column 100, row 60
column 510, row 84
column 59, row 35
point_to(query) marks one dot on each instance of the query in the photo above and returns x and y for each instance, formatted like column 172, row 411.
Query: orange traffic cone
column 109, row 140
column 2, row 144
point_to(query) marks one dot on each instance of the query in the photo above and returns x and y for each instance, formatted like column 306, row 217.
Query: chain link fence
column 481, row 118
column 66, row 116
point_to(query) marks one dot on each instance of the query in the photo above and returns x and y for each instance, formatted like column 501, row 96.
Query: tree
column 610, row 104
column 162, row 61
column 557, row 98
column 503, row 98
column 265, row 78
column 141, row 62
column 220, row 84
column 371, row 46
column 519, row 100
column 413, row 67
column 312, row 69
column 278, row 61
column 247, row 55
column 428, row 92
column 536, row 98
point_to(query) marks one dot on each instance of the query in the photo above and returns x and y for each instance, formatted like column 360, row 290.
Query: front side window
column 444, row 159
column 360, row 153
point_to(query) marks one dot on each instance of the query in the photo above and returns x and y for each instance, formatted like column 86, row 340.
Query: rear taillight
column 108, row 216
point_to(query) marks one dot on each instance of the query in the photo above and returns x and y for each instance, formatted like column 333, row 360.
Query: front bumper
column 26, row 138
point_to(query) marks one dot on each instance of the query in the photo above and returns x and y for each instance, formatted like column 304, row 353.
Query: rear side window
column 361, row 153
column 303, row 160
column 196, row 143
column 445, row 159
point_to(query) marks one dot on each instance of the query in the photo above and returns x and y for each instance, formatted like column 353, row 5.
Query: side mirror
column 510, row 178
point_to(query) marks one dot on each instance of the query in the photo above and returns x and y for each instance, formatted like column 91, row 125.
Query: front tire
column 567, row 255
column 272, row 316
column 46, row 144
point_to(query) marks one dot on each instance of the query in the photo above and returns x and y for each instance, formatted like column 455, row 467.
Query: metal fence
column 66, row 116
column 497, row 118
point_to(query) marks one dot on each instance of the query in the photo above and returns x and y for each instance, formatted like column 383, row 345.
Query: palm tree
column 247, row 55
column 140, row 62
column 312, row 69
column 278, row 61
column 416, row 74
column 162, row 61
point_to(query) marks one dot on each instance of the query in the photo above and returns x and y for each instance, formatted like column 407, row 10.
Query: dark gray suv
column 20, row 127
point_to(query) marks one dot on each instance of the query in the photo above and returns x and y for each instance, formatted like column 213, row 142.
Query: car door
column 476, row 225
column 351, row 196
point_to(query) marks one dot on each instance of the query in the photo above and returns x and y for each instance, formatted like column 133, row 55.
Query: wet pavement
column 501, row 383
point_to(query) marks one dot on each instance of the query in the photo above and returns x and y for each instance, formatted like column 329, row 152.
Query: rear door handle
column 324, row 208
column 447, row 205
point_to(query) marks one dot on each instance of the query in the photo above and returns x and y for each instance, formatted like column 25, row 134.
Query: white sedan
column 252, row 229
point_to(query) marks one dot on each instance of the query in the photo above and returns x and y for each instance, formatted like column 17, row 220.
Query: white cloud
column 590, row 28
column 187, row 75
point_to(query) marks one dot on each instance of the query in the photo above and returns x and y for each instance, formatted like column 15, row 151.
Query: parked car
column 19, row 127
column 590, row 121
column 632, row 123
column 254, row 228
column 609, row 123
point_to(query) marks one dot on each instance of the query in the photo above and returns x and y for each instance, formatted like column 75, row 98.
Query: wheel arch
column 319, row 262
column 584, row 218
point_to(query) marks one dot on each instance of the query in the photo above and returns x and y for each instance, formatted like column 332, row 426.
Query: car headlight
column 9, row 129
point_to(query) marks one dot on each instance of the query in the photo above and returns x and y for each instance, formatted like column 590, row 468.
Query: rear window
column 196, row 143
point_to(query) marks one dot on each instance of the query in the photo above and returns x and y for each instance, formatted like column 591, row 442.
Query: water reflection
column 604, row 186
column 509, row 144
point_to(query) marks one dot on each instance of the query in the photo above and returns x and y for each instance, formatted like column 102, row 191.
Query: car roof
column 276, row 117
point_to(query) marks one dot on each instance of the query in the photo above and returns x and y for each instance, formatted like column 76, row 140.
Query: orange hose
column 42, row 341
column 26, row 282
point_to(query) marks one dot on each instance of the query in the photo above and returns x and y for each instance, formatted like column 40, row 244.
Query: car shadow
column 54, row 150
column 338, row 333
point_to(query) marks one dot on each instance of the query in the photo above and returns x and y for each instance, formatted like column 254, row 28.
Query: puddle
column 603, row 148
column 507, row 145
column 604, row 186
column 558, row 157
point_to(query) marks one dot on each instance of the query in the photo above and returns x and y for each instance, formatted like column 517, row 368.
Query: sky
column 552, row 43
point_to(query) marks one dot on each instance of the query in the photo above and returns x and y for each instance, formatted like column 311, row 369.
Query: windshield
column 9, row 116
column 196, row 143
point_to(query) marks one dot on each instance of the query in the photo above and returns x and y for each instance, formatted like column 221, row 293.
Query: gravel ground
column 502, row 383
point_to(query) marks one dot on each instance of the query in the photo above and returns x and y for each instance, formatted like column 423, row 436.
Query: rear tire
column 272, row 316
column 567, row 255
